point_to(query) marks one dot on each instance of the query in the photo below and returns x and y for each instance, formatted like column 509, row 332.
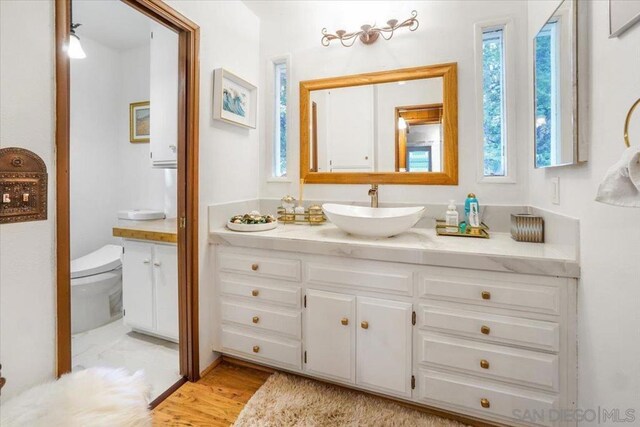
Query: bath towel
column 621, row 184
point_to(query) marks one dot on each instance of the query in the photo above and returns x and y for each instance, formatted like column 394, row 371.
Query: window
column 280, row 118
column 495, row 124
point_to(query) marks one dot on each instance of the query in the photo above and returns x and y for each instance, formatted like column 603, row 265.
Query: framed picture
column 139, row 121
column 623, row 14
column 234, row 100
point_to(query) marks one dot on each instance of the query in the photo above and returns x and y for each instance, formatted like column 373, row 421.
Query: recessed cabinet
column 150, row 288
column 163, row 98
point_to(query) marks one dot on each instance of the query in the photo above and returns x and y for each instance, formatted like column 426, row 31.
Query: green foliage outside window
column 493, row 99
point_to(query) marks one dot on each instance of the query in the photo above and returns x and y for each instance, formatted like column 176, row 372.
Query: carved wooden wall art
column 23, row 186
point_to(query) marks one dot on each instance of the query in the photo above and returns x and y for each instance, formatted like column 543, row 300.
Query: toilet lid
column 105, row 259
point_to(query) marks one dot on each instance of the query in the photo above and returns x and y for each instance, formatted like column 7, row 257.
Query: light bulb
column 75, row 48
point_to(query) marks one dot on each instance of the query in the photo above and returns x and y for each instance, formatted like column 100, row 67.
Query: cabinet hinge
column 305, row 357
column 413, row 318
column 413, row 382
column 124, row 312
column 305, row 300
column 123, row 249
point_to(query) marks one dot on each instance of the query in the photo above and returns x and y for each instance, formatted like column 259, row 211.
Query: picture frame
column 623, row 15
column 139, row 122
column 235, row 100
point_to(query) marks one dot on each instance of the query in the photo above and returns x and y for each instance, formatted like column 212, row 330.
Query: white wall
column 445, row 34
column 27, row 305
column 609, row 289
column 229, row 38
column 94, row 172
column 108, row 172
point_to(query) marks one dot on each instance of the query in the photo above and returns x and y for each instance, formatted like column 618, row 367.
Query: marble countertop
column 159, row 230
column 417, row 246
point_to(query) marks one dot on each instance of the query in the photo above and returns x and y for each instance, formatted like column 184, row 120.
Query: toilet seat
column 105, row 259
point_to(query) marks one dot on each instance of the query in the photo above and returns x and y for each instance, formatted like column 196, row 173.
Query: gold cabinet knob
column 344, row 321
column 486, row 295
column 255, row 319
column 484, row 364
column 364, row 324
column 256, row 348
column 485, row 403
column 254, row 267
column 255, row 292
column 485, row 329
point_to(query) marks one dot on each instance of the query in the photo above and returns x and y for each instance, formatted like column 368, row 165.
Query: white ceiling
column 111, row 23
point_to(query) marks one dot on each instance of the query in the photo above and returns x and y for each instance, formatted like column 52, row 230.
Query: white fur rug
column 288, row 400
column 92, row 397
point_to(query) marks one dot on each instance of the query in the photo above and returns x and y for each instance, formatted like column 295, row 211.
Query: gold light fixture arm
column 368, row 34
column 627, row 121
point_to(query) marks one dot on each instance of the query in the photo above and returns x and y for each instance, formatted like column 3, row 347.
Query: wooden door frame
column 188, row 138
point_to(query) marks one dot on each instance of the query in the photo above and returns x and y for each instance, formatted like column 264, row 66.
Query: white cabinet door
column 165, row 271
column 330, row 335
column 163, row 96
column 384, row 345
column 137, row 284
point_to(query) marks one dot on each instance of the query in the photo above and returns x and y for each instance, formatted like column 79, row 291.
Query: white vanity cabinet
column 484, row 344
column 163, row 99
column 150, row 288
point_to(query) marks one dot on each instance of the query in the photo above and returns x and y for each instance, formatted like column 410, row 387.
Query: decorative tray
column 479, row 233
column 252, row 227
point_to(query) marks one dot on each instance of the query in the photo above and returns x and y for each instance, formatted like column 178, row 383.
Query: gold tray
column 479, row 233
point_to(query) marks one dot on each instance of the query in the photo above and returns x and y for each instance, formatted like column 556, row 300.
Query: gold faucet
column 373, row 193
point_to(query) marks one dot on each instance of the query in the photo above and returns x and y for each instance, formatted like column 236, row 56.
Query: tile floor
column 115, row 345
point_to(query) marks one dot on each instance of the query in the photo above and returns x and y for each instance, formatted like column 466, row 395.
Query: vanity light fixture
column 74, row 50
column 368, row 34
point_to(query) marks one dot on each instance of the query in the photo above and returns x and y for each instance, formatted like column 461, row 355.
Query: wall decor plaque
column 23, row 186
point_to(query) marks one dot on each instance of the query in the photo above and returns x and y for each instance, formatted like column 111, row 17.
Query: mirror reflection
column 554, row 79
column 384, row 127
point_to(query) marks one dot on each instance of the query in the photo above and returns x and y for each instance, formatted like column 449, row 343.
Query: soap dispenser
column 452, row 219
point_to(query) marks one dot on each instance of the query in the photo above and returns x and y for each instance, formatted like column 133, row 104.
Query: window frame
column 271, row 112
column 509, row 112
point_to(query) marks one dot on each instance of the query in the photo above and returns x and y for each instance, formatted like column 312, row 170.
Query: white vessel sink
column 372, row 222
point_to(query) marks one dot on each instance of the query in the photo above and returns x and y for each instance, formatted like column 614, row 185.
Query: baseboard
column 211, row 367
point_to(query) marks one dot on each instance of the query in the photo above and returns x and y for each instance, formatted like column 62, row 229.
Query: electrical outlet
column 555, row 190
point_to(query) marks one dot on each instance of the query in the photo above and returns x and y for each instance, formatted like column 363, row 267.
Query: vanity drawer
column 280, row 351
column 241, row 286
column 498, row 362
column 280, row 321
column 484, row 397
column 504, row 290
column 492, row 327
column 365, row 275
column 260, row 266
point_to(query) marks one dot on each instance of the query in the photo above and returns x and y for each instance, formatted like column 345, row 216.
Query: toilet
column 96, row 288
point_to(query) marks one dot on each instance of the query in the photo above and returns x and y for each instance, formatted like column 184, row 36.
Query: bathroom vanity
column 483, row 328
column 150, row 276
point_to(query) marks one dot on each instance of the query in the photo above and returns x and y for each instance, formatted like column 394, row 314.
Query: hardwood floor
column 215, row 400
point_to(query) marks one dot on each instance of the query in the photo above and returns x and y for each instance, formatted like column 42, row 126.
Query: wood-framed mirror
column 390, row 127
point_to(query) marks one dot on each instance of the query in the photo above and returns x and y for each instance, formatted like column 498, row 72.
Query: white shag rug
column 93, row 397
column 287, row 400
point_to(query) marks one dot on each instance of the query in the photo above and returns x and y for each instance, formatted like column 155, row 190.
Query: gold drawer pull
column 255, row 292
column 255, row 319
column 254, row 267
column 344, row 321
column 485, row 403
column 485, row 329
column 486, row 295
column 256, row 348
column 484, row 364
column 364, row 324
